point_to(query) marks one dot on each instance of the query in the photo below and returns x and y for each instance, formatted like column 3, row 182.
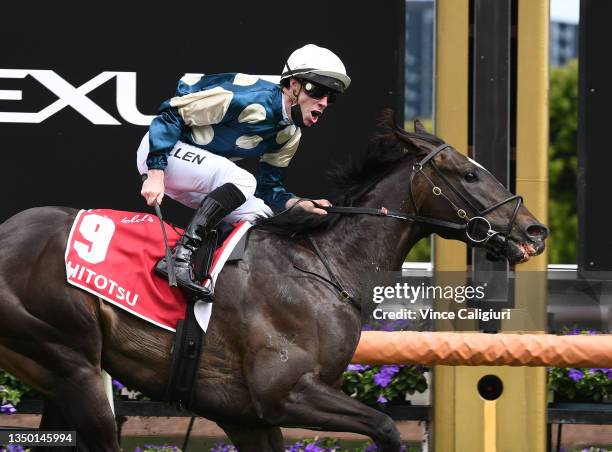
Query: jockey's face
column 312, row 108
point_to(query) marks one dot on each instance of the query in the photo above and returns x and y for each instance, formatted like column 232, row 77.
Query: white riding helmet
column 318, row 65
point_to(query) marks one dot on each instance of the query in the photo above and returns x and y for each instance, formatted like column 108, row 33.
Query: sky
column 564, row 10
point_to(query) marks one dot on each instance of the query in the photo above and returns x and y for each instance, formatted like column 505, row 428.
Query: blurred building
column 418, row 74
column 563, row 42
column 419, row 58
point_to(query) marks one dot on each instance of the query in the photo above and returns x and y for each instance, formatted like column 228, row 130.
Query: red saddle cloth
column 111, row 254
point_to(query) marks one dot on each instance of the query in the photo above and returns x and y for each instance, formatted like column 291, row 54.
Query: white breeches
column 192, row 173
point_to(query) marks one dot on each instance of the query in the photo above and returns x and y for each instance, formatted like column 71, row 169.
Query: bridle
column 468, row 223
column 471, row 222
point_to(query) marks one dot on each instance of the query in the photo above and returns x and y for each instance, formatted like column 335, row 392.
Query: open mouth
column 315, row 115
column 516, row 252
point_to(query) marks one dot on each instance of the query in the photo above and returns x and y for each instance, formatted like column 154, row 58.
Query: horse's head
column 435, row 187
column 471, row 203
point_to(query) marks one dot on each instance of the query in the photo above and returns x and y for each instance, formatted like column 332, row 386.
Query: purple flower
column 8, row 408
column 295, row 447
column 357, row 367
column 382, row 379
column 382, row 399
column 390, row 369
column 371, row 448
column 387, row 327
column 12, row 448
column 313, row 448
column 223, row 448
column 117, row 384
column 575, row 374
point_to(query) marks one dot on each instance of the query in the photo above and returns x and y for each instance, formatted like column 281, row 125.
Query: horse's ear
column 419, row 127
column 417, row 143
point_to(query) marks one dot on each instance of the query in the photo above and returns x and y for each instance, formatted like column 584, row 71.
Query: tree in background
column 562, row 217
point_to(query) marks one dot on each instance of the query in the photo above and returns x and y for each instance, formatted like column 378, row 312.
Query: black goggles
column 319, row 91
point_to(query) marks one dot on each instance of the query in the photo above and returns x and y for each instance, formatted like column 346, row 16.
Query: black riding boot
column 215, row 207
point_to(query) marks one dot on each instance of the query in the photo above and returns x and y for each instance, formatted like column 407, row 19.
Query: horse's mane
column 388, row 146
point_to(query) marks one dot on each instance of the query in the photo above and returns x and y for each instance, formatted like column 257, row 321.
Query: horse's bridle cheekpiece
column 469, row 224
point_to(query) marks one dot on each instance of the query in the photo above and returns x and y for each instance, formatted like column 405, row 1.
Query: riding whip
column 169, row 260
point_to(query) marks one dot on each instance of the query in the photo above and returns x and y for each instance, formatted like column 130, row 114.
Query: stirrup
column 186, row 284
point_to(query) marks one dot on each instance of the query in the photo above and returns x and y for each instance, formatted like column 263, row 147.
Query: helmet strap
column 296, row 111
column 296, row 115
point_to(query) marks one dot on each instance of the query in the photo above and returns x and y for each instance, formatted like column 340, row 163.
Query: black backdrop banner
column 594, row 158
column 79, row 83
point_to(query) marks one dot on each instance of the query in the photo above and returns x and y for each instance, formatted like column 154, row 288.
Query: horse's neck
column 375, row 242
column 359, row 246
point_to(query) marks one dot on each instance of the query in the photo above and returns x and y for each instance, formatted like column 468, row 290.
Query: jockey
column 213, row 120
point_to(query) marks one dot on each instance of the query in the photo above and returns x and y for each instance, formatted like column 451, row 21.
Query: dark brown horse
column 279, row 339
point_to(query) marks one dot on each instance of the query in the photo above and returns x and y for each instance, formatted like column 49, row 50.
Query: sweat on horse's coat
column 278, row 339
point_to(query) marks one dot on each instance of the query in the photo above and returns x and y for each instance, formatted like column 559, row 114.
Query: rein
column 469, row 223
column 384, row 212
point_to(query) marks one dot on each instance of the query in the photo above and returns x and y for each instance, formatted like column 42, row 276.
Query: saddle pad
column 112, row 253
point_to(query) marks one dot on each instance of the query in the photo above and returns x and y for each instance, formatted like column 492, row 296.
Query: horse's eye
column 470, row 177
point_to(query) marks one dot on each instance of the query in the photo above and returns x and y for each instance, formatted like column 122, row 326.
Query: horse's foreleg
column 83, row 402
column 315, row 405
column 53, row 420
column 254, row 438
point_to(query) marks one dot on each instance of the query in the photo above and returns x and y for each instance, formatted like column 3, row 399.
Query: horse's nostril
column 537, row 231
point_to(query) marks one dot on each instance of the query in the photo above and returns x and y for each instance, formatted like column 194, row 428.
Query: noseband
column 469, row 223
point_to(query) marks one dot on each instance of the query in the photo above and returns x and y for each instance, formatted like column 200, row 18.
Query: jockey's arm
column 271, row 188
column 271, row 175
column 174, row 116
column 164, row 131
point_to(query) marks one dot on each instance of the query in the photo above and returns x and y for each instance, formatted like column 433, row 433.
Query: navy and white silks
column 212, row 120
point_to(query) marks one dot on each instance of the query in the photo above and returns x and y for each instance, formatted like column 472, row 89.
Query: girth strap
column 186, row 352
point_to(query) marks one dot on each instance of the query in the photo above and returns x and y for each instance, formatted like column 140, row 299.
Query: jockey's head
column 312, row 78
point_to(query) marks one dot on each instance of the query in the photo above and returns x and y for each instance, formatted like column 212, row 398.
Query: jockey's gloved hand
column 153, row 187
column 310, row 206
